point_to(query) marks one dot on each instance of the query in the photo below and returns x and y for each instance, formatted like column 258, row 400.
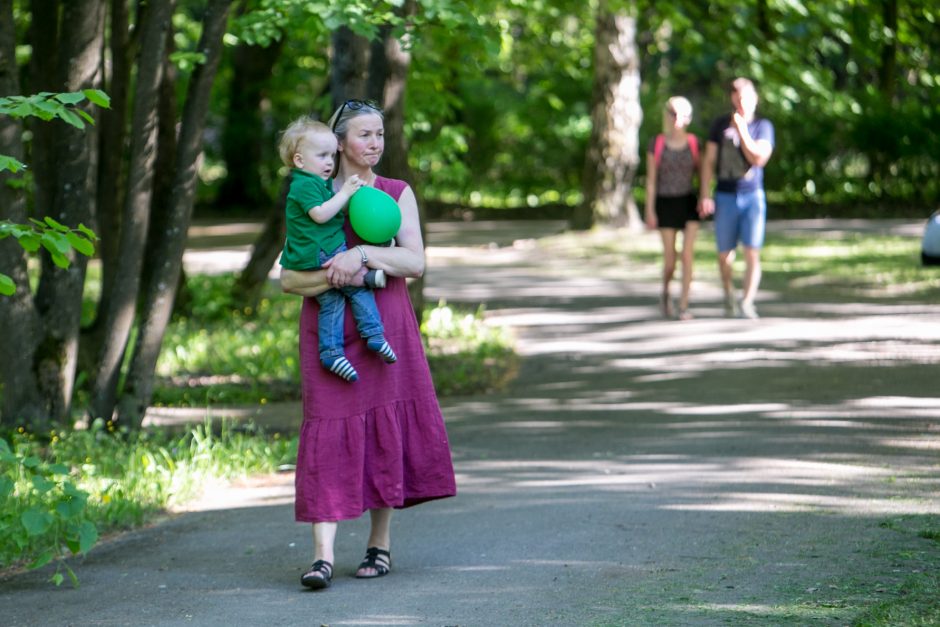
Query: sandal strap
column 323, row 567
column 378, row 559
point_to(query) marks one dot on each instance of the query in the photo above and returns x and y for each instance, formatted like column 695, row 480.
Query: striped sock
column 341, row 367
column 380, row 346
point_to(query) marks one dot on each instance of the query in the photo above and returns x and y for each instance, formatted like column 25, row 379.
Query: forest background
column 510, row 106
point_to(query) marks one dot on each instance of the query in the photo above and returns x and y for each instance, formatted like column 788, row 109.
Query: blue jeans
column 740, row 217
column 333, row 312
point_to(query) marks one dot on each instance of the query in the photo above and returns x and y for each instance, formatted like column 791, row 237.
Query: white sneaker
column 748, row 310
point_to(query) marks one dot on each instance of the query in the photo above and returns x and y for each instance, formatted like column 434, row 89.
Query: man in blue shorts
column 739, row 146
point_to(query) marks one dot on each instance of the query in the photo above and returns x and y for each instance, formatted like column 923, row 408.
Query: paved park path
column 638, row 472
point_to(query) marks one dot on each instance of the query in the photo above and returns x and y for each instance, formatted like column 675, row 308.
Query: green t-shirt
column 306, row 238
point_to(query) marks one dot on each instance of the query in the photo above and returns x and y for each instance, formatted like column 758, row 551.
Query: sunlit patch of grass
column 218, row 354
column 466, row 355
column 916, row 603
column 863, row 266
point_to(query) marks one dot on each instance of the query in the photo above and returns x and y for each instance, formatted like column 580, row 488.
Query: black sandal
column 319, row 576
column 378, row 560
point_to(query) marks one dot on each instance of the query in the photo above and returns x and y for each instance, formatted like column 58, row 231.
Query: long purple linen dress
column 379, row 441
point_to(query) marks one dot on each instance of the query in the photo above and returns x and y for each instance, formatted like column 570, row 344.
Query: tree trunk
column 164, row 171
column 763, row 21
column 348, row 66
column 887, row 71
column 42, row 76
column 111, row 175
column 158, row 301
column 397, row 61
column 119, row 318
column 613, row 154
column 59, row 297
column 243, row 136
column 20, row 391
column 267, row 247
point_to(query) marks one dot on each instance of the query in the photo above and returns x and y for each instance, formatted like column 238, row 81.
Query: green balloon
column 374, row 215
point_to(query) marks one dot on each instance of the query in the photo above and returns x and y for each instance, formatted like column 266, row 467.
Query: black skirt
column 672, row 212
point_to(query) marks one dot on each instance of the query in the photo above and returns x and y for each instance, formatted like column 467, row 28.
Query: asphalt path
column 638, row 471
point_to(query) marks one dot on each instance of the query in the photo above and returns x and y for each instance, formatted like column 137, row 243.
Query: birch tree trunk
column 613, row 154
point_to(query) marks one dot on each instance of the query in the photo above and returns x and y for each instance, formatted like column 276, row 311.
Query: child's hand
column 352, row 184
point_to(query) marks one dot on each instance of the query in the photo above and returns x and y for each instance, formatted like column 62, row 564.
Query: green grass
column 54, row 484
column 218, row 354
column 856, row 266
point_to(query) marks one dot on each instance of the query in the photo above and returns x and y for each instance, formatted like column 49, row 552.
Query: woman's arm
column 650, row 190
column 706, row 203
column 405, row 259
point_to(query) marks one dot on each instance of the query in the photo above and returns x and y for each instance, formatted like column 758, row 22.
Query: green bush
column 59, row 490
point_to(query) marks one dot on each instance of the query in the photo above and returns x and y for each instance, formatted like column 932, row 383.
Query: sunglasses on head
column 354, row 105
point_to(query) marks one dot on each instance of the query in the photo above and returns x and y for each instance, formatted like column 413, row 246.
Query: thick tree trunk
column 613, row 154
column 158, row 301
column 20, row 392
column 243, row 136
column 59, row 297
column 348, row 66
column 135, row 217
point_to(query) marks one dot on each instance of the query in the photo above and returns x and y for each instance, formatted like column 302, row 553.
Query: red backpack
column 660, row 144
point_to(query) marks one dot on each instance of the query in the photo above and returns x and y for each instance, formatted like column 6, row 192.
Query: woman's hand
column 345, row 268
column 706, row 206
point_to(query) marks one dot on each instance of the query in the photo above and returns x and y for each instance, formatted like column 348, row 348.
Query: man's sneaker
column 374, row 279
column 748, row 310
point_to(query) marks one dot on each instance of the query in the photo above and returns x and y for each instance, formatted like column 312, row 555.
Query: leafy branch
column 58, row 239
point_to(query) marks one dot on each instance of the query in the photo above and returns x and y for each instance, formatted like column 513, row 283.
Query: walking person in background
column 672, row 162
column 383, row 445
column 739, row 146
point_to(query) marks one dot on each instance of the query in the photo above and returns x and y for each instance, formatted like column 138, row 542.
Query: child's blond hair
column 295, row 132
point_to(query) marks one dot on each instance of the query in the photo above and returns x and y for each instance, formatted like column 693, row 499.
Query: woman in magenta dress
column 379, row 443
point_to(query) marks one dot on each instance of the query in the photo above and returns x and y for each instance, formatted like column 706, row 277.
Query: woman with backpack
column 672, row 164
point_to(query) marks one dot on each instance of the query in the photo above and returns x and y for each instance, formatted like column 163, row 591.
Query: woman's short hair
column 350, row 109
column 295, row 132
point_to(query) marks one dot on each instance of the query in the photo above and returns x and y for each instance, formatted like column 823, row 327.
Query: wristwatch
column 362, row 254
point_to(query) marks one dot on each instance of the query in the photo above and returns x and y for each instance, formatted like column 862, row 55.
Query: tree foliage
column 498, row 111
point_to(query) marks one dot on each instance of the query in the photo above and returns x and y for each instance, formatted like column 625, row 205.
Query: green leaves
column 36, row 521
column 42, row 513
column 57, row 239
column 7, row 286
column 48, row 106
column 11, row 164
